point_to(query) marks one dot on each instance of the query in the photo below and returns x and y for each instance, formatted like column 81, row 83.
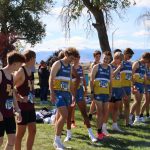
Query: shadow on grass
column 114, row 143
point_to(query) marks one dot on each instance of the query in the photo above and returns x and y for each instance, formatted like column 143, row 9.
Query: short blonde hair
column 118, row 55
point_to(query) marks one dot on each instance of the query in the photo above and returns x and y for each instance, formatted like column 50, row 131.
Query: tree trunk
column 99, row 25
column 101, row 30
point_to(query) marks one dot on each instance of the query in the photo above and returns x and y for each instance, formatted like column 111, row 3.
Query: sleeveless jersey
column 148, row 76
column 126, row 73
column 6, row 96
column 25, row 90
column 139, row 73
column 80, row 73
column 116, row 81
column 102, row 80
column 63, row 77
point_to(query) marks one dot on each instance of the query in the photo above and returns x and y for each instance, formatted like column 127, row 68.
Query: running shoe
column 104, row 131
column 116, row 128
column 93, row 138
column 100, row 136
column 68, row 138
column 141, row 119
column 58, row 145
column 73, row 125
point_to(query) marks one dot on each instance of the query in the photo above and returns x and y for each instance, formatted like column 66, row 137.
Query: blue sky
column 129, row 33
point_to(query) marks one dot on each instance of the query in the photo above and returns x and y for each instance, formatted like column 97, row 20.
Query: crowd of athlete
column 111, row 84
column 16, row 97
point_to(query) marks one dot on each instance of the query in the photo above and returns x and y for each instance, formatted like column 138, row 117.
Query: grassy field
column 134, row 138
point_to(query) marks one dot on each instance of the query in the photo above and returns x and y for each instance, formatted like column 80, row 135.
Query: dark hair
column 107, row 53
column 117, row 50
column 128, row 51
column 71, row 51
column 146, row 55
column 96, row 52
column 14, row 56
column 61, row 55
column 29, row 54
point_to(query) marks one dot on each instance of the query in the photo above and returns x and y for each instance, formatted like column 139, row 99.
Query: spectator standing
column 43, row 81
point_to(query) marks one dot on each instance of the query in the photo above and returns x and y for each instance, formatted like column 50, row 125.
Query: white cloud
column 127, row 43
column 76, row 41
column 142, row 33
column 143, row 3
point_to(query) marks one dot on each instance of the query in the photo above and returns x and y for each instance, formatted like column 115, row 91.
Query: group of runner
column 111, row 84
column 16, row 97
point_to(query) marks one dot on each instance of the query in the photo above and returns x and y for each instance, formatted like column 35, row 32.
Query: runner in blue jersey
column 146, row 105
column 125, row 70
column 117, row 93
column 61, row 90
column 139, row 72
column 100, row 82
column 80, row 91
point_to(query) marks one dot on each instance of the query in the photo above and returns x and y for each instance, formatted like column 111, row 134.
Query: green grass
column 134, row 138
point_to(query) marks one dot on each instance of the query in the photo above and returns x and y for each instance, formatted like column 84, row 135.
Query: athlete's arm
column 75, row 74
column 55, row 68
column 117, row 70
column 92, row 77
column 19, row 78
column 84, row 81
column 134, row 67
column 1, row 116
column 111, row 74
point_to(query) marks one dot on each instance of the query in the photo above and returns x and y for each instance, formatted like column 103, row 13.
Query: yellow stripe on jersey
column 116, row 83
column 61, row 85
column 101, row 86
column 126, row 77
column 138, row 78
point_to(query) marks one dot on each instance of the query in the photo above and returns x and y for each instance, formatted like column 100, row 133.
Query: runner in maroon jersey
column 7, row 102
column 23, row 84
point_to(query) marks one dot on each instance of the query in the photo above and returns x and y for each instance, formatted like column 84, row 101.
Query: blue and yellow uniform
column 80, row 90
column 147, row 83
column 61, row 85
column 102, row 84
column 138, row 77
column 116, row 86
column 126, row 77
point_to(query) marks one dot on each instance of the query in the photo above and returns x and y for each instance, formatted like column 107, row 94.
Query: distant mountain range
column 86, row 54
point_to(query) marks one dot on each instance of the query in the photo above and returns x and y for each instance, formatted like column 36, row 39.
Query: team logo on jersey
column 9, row 104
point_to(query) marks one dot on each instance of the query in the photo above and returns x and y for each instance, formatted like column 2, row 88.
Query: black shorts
column 27, row 117
column 8, row 125
column 113, row 100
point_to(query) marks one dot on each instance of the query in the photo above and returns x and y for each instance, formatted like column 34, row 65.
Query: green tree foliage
column 99, row 12
column 20, row 19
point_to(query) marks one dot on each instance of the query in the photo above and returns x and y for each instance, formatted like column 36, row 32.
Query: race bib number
column 103, row 83
column 64, row 85
column 9, row 104
column 30, row 98
column 141, row 76
column 128, row 76
column 117, row 77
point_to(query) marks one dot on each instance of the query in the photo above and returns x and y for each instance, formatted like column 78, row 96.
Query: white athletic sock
column 115, row 124
column 137, row 117
column 90, row 131
column 69, row 133
column 104, row 125
column 130, row 116
column 57, row 138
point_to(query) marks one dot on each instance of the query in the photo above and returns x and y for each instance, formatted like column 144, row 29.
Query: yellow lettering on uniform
column 9, row 90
